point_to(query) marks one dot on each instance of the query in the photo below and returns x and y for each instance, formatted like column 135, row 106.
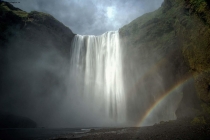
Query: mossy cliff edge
column 173, row 43
column 36, row 27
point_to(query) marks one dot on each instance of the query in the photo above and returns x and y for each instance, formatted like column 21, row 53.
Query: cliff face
column 34, row 60
column 38, row 28
column 172, row 43
column 162, row 51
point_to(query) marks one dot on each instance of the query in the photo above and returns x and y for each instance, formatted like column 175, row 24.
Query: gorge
column 154, row 69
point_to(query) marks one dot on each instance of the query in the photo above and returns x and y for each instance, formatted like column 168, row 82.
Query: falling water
column 97, row 71
column 97, row 61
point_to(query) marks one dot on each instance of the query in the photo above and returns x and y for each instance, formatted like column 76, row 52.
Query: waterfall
column 96, row 60
column 105, row 89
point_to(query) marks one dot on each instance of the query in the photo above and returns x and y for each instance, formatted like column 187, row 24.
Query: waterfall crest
column 97, row 61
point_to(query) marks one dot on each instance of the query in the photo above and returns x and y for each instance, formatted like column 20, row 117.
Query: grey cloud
column 90, row 16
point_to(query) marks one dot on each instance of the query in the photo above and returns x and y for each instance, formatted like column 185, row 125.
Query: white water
column 96, row 60
column 100, row 94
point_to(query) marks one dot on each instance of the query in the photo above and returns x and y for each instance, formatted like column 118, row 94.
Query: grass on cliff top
column 9, row 8
column 6, row 7
column 41, row 16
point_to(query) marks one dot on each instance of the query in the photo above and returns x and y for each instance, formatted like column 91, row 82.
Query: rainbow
column 161, row 98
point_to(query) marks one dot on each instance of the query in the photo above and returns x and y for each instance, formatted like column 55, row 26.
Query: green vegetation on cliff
column 18, row 24
column 6, row 7
column 175, row 39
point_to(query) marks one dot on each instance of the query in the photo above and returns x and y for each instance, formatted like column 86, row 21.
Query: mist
column 40, row 82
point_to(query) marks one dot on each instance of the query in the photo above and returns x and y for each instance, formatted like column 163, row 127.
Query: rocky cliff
column 162, row 50
column 171, row 45
column 34, row 59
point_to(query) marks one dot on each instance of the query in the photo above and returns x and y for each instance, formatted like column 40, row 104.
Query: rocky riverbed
column 173, row 130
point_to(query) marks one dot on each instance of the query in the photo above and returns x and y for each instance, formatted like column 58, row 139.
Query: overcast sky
column 91, row 17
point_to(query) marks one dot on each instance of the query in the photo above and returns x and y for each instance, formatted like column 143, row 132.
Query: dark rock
column 180, row 41
column 8, row 120
column 34, row 59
